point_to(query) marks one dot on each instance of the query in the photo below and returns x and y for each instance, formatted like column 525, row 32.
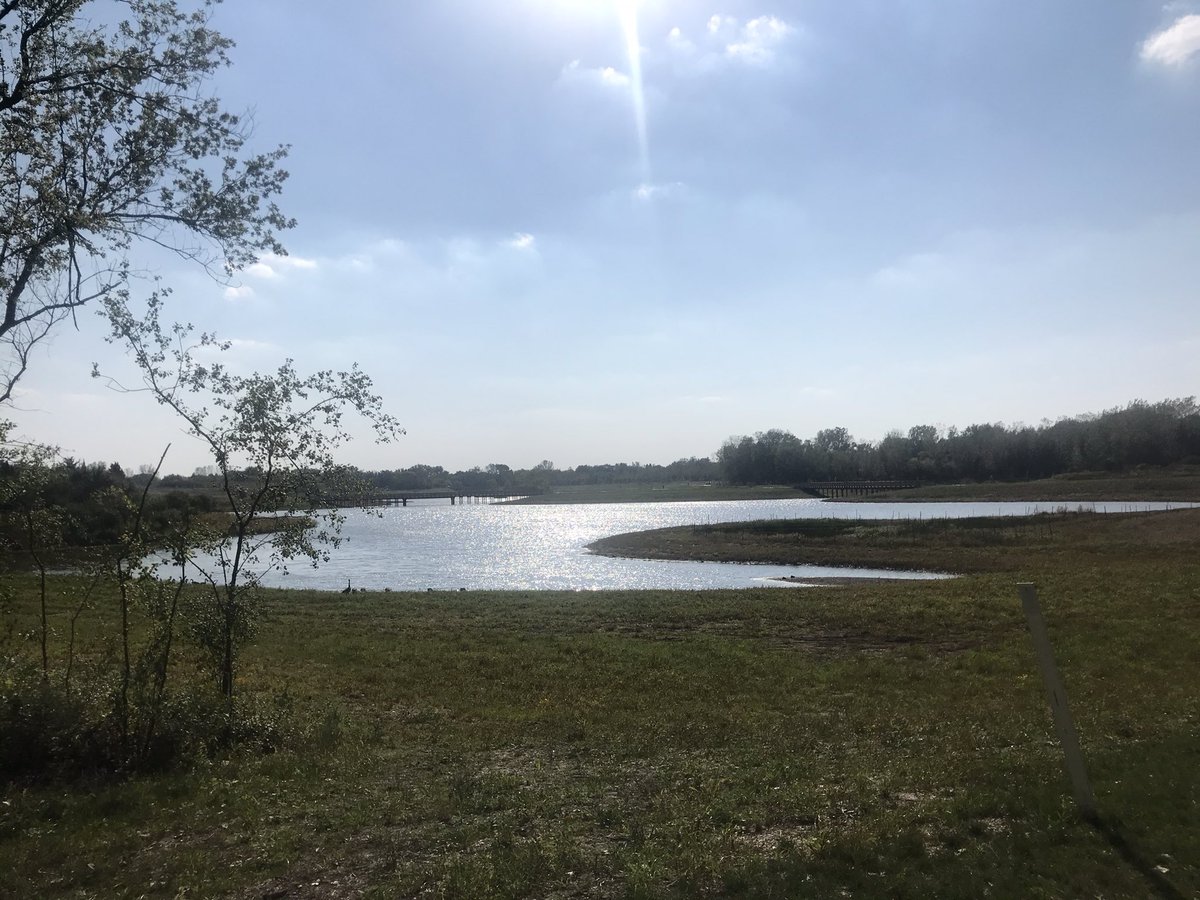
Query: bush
column 48, row 734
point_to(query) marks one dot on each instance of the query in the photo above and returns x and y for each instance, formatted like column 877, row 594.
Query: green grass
column 879, row 740
column 1180, row 483
column 1019, row 544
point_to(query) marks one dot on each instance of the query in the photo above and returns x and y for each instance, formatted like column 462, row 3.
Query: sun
column 597, row 4
column 599, row 7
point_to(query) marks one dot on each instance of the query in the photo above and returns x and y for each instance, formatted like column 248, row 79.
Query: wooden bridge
column 855, row 488
column 397, row 498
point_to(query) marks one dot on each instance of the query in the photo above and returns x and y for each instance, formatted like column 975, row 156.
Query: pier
column 455, row 497
column 855, row 488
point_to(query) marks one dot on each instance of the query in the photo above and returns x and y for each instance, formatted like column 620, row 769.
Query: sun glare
column 627, row 12
column 597, row 4
column 627, row 16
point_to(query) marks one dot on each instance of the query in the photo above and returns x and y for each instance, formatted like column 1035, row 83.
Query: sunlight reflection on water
column 433, row 545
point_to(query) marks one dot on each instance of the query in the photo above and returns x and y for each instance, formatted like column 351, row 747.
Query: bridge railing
column 858, row 488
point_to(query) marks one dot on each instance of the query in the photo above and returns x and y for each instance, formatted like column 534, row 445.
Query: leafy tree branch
column 107, row 140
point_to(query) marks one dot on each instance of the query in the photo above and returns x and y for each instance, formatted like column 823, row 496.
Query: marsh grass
column 986, row 544
column 885, row 740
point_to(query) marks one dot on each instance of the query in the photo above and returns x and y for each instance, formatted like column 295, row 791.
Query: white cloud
column 610, row 76
column 427, row 268
column 719, row 24
column 648, row 192
column 272, row 265
column 239, row 292
column 753, row 42
column 521, row 241
column 261, row 270
column 918, row 271
column 678, row 42
column 758, row 39
column 1175, row 45
column 367, row 258
column 606, row 77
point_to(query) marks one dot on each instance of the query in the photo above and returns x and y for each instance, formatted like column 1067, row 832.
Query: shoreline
column 850, row 580
column 963, row 546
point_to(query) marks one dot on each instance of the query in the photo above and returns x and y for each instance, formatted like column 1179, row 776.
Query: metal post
column 1056, row 694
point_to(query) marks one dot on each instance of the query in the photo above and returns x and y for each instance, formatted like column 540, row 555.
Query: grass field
column 1021, row 545
column 1174, row 483
column 881, row 740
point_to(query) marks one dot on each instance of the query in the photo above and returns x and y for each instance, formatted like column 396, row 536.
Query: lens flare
column 627, row 13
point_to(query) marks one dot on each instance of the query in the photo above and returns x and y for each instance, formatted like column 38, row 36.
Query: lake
column 433, row 545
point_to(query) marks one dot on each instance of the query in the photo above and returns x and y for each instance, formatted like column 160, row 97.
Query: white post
column 1056, row 694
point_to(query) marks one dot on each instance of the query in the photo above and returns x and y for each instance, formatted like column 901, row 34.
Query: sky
column 600, row 231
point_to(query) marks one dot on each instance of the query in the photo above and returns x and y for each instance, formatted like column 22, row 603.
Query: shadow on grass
column 1158, row 882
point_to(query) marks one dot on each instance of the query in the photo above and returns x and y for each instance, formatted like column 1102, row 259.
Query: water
column 433, row 545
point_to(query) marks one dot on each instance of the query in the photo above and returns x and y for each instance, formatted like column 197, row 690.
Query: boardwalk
column 403, row 498
column 855, row 488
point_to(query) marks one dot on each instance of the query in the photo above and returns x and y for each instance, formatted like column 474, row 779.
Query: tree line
column 1116, row 440
column 494, row 478
column 498, row 478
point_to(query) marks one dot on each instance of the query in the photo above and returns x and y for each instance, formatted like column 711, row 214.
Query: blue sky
column 789, row 214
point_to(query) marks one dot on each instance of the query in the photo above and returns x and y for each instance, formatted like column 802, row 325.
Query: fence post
column 1056, row 694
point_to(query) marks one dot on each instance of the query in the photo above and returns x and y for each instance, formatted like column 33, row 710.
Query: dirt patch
column 339, row 883
column 778, row 839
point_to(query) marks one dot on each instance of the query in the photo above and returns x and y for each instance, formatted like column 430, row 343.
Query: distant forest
column 498, row 478
column 1116, row 440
